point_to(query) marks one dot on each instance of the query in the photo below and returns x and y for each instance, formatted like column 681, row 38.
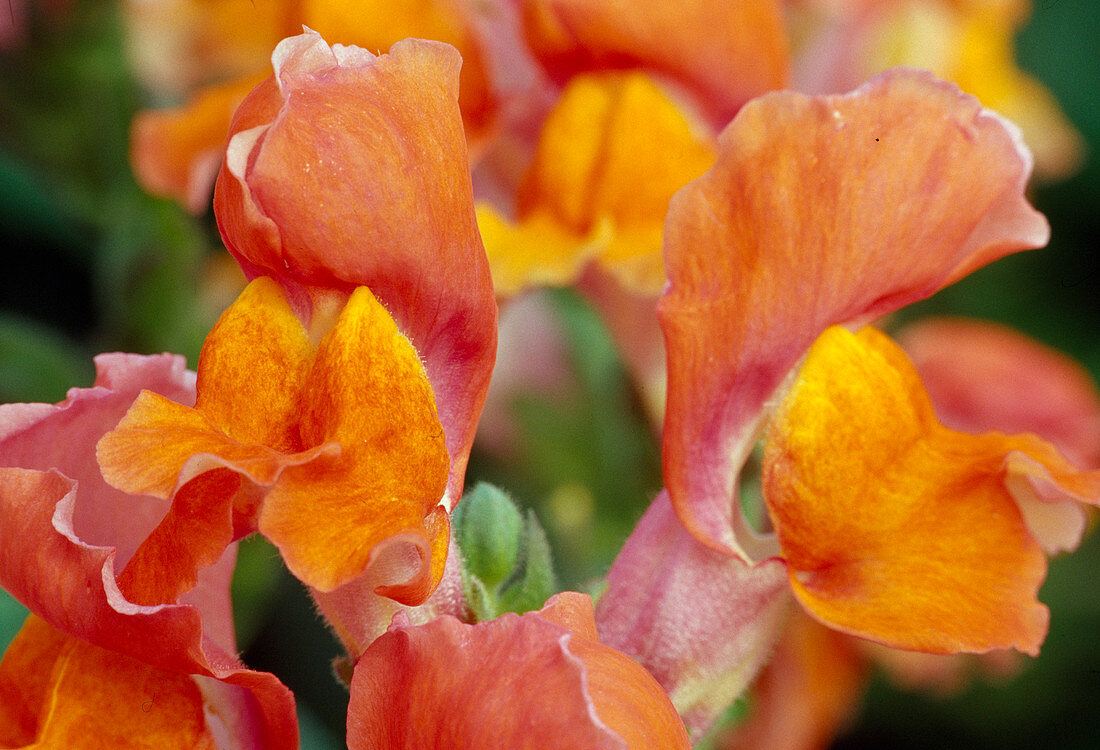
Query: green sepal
column 533, row 581
column 482, row 603
column 489, row 531
column 506, row 561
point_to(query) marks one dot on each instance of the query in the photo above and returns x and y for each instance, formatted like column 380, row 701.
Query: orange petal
column 176, row 153
column 369, row 393
column 253, row 368
column 80, row 695
column 810, row 689
column 161, row 445
column 193, row 535
column 611, row 154
column 25, row 680
column 894, row 527
column 728, row 52
column 819, row 211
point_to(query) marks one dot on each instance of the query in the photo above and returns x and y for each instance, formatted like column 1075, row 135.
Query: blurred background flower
column 93, row 263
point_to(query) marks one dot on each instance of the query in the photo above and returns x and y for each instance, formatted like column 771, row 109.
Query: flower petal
column 64, row 435
column 728, row 52
column 894, row 527
column 819, row 211
column 982, row 376
column 96, row 698
column 809, row 690
column 362, row 179
column 516, row 682
column 71, row 585
column 369, row 393
column 25, row 680
column 176, row 153
column 394, row 20
column 701, row 622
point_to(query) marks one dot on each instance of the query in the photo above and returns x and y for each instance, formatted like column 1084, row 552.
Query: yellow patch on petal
column 611, row 155
column 369, row 392
column 893, row 527
column 75, row 694
column 253, row 367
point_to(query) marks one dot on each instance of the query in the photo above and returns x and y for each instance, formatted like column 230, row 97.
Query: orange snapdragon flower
column 328, row 430
column 820, row 213
column 858, row 229
column 345, row 195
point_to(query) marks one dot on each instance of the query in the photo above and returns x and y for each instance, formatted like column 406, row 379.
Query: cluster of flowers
column 336, row 400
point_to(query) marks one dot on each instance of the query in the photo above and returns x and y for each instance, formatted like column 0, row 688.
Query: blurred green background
column 91, row 263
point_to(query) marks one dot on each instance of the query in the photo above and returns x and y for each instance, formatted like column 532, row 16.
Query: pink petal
column 701, row 622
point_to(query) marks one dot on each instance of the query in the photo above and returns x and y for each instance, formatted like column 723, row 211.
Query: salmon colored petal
column 369, row 393
column 449, row 21
column 894, row 527
column 71, row 585
column 819, row 211
column 982, row 376
column 701, row 622
column 176, row 153
column 363, row 179
column 728, row 52
column 516, row 682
